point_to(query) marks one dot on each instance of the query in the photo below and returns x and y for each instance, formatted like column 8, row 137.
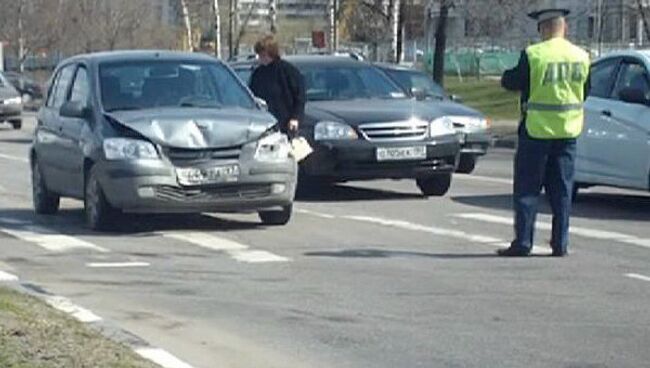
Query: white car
column 614, row 149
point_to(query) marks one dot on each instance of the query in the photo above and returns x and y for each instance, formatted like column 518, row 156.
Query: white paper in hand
column 300, row 148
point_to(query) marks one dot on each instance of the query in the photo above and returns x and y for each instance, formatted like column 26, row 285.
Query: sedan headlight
column 331, row 130
column 273, row 148
column 129, row 149
column 470, row 122
column 13, row 101
column 441, row 126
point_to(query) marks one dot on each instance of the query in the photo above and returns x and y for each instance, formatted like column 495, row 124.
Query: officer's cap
column 548, row 14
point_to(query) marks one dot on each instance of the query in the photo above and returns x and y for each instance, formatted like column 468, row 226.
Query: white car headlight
column 441, row 126
column 331, row 130
column 273, row 148
column 13, row 101
column 470, row 122
column 129, row 149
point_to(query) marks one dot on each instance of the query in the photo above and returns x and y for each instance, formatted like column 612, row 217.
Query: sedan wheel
column 437, row 185
column 45, row 202
column 100, row 215
column 467, row 164
column 281, row 217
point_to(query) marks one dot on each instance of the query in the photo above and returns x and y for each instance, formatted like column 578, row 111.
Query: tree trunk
column 333, row 25
column 217, row 29
column 441, row 43
column 272, row 16
column 395, row 34
column 188, row 25
column 644, row 18
column 22, row 55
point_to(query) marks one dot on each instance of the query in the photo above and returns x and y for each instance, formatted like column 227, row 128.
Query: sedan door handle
column 606, row 113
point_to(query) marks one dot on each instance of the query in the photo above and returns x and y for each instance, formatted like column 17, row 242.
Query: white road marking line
column 117, row 264
column 638, row 277
column 50, row 239
column 580, row 231
column 484, row 179
column 65, row 305
column 13, row 158
column 237, row 251
column 12, row 221
column 161, row 357
column 5, row 276
column 317, row 214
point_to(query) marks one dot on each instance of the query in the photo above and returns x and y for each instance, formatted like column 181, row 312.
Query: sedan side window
column 50, row 92
column 635, row 76
column 62, row 84
column 80, row 87
column 602, row 78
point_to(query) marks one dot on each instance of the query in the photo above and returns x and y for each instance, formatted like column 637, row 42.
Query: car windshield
column 409, row 80
column 154, row 84
column 325, row 83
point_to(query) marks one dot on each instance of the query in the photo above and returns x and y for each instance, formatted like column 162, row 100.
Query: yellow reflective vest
column 558, row 74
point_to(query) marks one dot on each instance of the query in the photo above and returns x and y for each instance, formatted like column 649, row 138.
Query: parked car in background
column 158, row 131
column 614, row 148
column 471, row 125
column 362, row 126
column 11, row 104
column 28, row 88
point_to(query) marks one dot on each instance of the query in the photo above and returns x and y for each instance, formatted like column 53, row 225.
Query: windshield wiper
column 124, row 108
column 201, row 106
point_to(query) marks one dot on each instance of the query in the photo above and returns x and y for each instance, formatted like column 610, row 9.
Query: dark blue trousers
column 543, row 162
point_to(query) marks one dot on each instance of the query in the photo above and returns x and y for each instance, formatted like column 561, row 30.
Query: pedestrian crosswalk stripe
column 580, row 231
column 638, row 277
column 48, row 239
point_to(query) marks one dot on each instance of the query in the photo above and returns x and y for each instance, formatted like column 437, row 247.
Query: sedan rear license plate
column 401, row 153
column 209, row 175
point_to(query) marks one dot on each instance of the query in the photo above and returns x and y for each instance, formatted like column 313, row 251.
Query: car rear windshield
column 324, row 83
column 410, row 79
column 155, row 84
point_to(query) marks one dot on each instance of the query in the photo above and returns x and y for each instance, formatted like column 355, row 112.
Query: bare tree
column 644, row 17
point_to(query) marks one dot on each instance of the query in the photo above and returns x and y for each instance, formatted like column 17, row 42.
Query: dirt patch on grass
column 34, row 335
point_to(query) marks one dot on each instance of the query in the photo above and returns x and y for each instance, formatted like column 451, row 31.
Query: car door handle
column 606, row 113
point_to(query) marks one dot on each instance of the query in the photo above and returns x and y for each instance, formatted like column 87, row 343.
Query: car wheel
column 17, row 124
column 467, row 164
column 437, row 185
column 45, row 202
column 100, row 215
column 281, row 217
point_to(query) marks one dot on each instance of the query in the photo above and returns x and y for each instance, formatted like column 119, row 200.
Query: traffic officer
column 552, row 77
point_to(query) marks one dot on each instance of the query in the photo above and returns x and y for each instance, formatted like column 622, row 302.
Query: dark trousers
column 543, row 162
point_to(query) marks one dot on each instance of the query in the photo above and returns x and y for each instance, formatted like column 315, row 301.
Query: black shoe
column 513, row 252
column 559, row 253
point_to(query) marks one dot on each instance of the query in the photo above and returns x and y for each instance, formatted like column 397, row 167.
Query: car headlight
column 441, row 126
column 129, row 149
column 331, row 130
column 471, row 122
column 13, row 101
column 273, row 148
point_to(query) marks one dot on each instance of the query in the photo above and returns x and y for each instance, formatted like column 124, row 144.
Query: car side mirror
column 418, row 93
column 261, row 103
column 74, row 109
column 456, row 98
column 633, row 95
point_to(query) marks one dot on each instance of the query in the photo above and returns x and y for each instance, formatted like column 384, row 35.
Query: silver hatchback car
column 614, row 149
column 153, row 132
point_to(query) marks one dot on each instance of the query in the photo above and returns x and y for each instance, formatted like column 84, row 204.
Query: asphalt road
column 365, row 275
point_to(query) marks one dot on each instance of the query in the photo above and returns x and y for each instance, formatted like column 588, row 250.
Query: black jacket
column 282, row 86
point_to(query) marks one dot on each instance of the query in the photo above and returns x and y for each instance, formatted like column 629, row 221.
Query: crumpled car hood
column 196, row 128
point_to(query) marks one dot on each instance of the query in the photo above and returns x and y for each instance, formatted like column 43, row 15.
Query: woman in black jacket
column 280, row 84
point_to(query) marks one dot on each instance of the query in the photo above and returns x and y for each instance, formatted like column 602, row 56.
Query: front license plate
column 401, row 153
column 208, row 175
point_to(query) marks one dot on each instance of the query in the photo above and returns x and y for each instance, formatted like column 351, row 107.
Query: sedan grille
column 184, row 156
column 211, row 194
column 395, row 131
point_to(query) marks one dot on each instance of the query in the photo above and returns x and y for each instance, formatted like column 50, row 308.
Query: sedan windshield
column 154, row 84
column 411, row 79
column 345, row 83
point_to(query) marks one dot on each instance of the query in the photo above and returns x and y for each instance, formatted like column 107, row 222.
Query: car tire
column 437, row 185
column 276, row 218
column 100, row 215
column 44, row 201
column 467, row 164
column 17, row 124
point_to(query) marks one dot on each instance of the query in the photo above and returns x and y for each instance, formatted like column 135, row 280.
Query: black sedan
column 470, row 124
column 363, row 126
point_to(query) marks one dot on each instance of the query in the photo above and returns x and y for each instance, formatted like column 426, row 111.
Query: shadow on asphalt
column 71, row 222
column 381, row 253
column 588, row 205
column 348, row 193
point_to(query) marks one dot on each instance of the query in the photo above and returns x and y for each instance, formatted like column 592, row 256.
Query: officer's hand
column 293, row 125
